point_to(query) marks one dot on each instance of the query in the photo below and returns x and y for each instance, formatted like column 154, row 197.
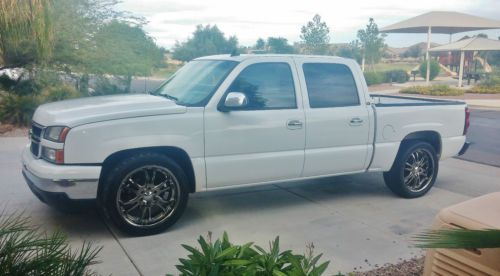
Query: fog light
column 53, row 155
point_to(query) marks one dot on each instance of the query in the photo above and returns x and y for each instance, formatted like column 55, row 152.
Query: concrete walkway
column 354, row 220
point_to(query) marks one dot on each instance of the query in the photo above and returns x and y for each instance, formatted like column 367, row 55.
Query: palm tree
column 26, row 34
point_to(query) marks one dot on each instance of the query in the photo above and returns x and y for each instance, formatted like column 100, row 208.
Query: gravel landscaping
column 412, row 267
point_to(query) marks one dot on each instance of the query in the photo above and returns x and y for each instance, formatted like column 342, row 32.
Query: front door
column 264, row 140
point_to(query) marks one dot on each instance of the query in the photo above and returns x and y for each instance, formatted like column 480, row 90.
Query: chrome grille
column 35, row 136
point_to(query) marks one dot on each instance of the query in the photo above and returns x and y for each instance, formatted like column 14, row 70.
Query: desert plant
column 25, row 250
column 490, row 85
column 17, row 109
column 374, row 77
column 399, row 76
column 223, row 258
column 59, row 93
column 433, row 90
column 434, row 66
column 459, row 238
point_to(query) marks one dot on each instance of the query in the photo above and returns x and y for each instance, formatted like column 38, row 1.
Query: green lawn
column 381, row 67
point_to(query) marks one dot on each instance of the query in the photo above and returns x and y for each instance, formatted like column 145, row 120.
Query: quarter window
column 330, row 85
column 266, row 85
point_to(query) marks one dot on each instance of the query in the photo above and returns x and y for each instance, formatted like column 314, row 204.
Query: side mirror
column 235, row 100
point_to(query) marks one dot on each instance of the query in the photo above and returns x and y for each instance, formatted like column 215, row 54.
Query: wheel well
column 177, row 154
column 431, row 137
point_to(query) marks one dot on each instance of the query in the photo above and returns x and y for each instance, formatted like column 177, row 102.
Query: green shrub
column 434, row 69
column 399, row 76
column 17, row 109
column 223, row 258
column 374, row 77
column 59, row 93
column 25, row 250
column 433, row 90
column 490, row 85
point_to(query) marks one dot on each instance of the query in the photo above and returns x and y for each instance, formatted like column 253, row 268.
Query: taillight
column 467, row 120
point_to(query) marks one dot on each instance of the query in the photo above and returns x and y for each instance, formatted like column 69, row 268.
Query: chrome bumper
column 76, row 182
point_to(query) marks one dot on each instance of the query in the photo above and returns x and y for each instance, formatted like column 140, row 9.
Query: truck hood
column 77, row 112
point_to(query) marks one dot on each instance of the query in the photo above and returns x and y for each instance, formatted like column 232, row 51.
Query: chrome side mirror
column 235, row 100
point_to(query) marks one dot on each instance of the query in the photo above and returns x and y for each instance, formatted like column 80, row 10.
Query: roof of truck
column 243, row 57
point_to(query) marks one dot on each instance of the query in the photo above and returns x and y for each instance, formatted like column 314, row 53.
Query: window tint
column 330, row 85
column 266, row 85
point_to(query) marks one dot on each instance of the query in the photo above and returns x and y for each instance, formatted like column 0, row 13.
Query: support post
column 461, row 70
column 427, row 57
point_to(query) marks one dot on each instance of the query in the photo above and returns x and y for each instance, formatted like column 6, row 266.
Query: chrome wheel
column 148, row 196
column 419, row 170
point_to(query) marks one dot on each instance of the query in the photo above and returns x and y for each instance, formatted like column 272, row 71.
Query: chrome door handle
column 356, row 122
column 294, row 124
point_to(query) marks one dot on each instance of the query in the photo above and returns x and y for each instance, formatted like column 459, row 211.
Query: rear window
column 330, row 85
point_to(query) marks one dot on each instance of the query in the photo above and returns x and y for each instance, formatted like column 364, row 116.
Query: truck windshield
column 195, row 82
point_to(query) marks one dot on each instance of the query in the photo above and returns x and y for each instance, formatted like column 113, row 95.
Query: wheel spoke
column 133, row 200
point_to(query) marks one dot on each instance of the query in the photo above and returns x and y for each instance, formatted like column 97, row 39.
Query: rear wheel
column 414, row 170
column 145, row 194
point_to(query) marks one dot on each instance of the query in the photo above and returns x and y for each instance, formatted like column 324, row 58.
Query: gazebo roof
column 470, row 44
column 442, row 22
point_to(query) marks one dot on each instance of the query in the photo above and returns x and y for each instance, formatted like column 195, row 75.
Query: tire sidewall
column 120, row 171
column 398, row 169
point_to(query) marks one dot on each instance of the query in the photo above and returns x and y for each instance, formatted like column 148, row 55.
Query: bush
column 24, row 250
column 435, row 68
column 433, row 90
column 490, row 85
column 224, row 258
column 399, row 76
column 17, row 109
column 59, row 93
column 374, row 77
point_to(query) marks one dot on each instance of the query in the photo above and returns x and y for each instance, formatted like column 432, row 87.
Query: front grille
column 35, row 136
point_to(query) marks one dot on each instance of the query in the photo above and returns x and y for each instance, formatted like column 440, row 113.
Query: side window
column 330, row 85
column 267, row 86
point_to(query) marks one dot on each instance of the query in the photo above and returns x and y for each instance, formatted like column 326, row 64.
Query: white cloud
column 175, row 20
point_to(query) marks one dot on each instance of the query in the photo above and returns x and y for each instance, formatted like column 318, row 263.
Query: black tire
column 118, row 184
column 419, row 180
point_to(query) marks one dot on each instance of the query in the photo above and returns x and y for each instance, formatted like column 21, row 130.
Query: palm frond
column 459, row 238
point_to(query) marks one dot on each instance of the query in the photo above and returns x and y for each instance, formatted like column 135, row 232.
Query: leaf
column 227, row 252
column 276, row 272
column 320, row 269
column 237, row 262
column 459, row 238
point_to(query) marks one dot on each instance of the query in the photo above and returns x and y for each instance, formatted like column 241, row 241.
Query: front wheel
column 414, row 170
column 145, row 194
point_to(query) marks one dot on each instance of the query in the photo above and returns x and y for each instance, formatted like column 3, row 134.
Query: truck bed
column 391, row 100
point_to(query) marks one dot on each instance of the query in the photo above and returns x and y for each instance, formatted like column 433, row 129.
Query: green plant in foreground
column 223, row 258
column 434, row 69
column 25, row 250
column 459, row 238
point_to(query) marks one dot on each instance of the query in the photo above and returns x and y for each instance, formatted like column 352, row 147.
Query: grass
column 379, row 67
column 433, row 90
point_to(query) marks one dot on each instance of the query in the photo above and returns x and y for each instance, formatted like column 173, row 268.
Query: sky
column 175, row 20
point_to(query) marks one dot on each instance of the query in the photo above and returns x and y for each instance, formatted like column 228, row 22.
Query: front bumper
column 72, row 182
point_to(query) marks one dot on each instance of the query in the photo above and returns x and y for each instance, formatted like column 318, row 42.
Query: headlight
column 53, row 155
column 56, row 133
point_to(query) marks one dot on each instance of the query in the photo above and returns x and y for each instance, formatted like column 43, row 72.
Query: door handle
column 356, row 122
column 294, row 124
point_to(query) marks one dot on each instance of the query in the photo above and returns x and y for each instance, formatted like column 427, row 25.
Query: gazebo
column 441, row 22
column 470, row 44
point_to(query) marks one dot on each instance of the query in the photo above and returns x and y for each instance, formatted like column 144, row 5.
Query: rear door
column 337, row 117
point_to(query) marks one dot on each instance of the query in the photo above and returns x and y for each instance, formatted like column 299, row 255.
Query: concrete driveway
column 354, row 220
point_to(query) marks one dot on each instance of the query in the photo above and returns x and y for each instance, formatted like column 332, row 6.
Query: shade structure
column 441, row 22
column 470, row 44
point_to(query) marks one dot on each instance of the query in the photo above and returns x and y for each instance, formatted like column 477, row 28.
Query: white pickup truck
column 225, row 121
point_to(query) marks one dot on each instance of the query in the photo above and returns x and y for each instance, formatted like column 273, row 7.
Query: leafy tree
column 315, row 36
column 261, row 43
column 279, row 45
column 352, row 50
column 206, row 40
column 372, row 42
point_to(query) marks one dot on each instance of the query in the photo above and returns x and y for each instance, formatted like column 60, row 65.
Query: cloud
column 175, row 20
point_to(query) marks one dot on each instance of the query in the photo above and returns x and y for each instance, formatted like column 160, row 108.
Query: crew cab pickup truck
column 224, row 121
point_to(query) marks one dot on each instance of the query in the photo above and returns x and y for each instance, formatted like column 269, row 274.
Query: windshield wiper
column 170, row 97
